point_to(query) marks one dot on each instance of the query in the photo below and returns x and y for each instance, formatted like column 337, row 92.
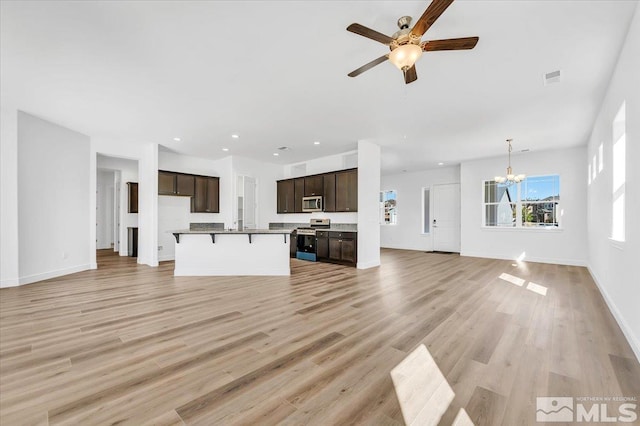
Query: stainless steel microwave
column 312, row 204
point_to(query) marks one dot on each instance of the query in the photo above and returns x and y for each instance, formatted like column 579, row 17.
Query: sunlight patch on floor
column 537, row 288
column 512, row 279
column 462, row 419
column 422, row 390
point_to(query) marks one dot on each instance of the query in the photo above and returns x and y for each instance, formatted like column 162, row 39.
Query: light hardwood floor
column 132, row 344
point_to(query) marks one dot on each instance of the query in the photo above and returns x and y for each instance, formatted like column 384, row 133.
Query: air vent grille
column 551, row 77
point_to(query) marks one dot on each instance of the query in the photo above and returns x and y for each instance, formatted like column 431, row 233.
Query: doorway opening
column 246, row 195
column 116, row 207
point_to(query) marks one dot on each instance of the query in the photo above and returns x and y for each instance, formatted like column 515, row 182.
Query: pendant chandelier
column 510, row 178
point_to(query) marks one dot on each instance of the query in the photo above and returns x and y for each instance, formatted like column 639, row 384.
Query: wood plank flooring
column 130, row 344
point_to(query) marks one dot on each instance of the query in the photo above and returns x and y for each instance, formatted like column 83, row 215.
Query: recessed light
column 176, row 139
column 235, row 136
column 225, row 149
column 316, row 143
column 275, row 154
column 440, row 164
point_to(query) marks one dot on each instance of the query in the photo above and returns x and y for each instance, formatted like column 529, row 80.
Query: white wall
column 407, row 233
column 126, row 171
column 9, row 242
column 613, row 266
column 53, row 199
column 368, row 205
column 564, row 246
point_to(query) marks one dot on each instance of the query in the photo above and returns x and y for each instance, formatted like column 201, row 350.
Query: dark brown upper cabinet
column 166, row 183
column 313, row 185
column 329, row 191
column 133, row 197
column 347, row 191
column 185, row 185
column 339, row 191
column 286, row 197
column 298, row 192
column 206, row 197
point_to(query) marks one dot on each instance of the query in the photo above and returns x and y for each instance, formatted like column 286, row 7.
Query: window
column 533, row 203
column 619, row 176
column 499, row 204
column 388, row 209
column 540, row 198
column 425, row 210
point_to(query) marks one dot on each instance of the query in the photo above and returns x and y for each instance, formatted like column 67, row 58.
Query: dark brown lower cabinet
column 348, row 251
column 322, row 246
column 132, row 237
column 293, row 244
column 337, row 247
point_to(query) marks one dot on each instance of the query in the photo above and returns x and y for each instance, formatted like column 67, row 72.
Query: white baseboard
column 367, row 265
column 93, row 266
column 9, row 283
column 53, row 274
column 626, row 330
column 554, row 261
column 166, row 257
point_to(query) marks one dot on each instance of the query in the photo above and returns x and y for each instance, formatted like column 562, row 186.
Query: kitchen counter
column 232, row 231
column 210, row 252
column 213, row 232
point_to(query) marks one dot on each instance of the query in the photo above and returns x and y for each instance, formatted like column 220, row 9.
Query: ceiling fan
column 406, row 45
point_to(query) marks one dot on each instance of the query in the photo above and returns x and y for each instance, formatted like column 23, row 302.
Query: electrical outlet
column 159, row 248
column 65, row 254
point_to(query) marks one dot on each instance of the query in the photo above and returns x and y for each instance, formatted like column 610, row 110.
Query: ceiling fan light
column 405, row 56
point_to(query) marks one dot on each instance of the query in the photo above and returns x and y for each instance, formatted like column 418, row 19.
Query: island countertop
column 233, row 231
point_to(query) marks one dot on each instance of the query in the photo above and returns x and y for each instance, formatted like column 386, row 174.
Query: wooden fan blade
column 368, row 66
column 369, row 33
column 464, row 43
column 433, row 12
column 410, row 75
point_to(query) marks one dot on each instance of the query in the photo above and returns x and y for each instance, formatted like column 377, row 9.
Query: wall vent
column 551, row 77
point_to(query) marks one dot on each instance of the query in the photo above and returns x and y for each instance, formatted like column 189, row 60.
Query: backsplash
column 335, row 226
column 212, row 225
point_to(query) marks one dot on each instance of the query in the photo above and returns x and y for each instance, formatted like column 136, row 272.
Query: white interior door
column 246, row 202
column 446, row 218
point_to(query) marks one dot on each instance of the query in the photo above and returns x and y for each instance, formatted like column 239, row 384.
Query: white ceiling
column 276, row 74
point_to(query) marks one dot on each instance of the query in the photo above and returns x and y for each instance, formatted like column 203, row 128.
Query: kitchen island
column 203, row 252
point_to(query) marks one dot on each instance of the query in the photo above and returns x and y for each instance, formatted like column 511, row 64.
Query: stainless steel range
column 307, row 238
